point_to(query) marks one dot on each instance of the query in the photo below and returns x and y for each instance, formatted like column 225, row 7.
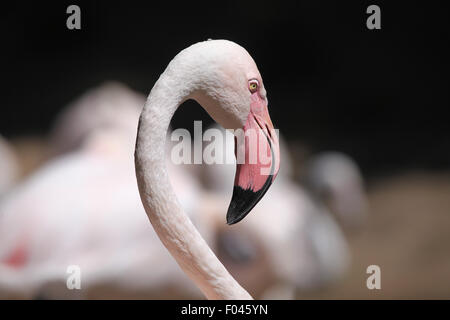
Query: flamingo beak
column 258, row 161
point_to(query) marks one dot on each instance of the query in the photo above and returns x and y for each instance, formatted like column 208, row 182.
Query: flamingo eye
column 253, row 85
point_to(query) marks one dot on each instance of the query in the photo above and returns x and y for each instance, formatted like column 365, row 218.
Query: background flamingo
column 300, row 248
column 83, row 208
column 334, row 179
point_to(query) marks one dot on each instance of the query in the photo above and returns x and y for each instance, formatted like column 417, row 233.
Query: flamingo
column 333, row 178
column 223, row 78
column 82, row 207
column 90, row 216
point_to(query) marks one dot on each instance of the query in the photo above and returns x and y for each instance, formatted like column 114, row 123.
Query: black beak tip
column 234, row 215
column 243, row 201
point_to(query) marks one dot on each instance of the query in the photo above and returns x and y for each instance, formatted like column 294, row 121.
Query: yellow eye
column 253, row 85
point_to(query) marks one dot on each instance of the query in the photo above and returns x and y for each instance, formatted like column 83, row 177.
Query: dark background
column 380, row 95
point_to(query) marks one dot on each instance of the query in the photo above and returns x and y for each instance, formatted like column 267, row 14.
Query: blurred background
column 376, row 99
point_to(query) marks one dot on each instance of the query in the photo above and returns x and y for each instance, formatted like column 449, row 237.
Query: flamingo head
column 227, row 83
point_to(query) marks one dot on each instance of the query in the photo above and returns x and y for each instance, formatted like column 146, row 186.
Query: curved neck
column 170, row 222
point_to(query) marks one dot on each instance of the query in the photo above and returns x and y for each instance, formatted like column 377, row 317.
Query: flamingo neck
column 170, row 222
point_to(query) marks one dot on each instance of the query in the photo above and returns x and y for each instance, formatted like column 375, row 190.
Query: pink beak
column 258, row 161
